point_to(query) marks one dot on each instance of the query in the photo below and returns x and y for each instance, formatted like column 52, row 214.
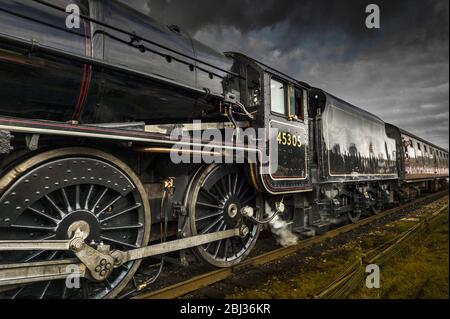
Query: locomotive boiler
column 87, row 176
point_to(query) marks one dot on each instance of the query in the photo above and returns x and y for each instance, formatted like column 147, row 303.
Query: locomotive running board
column 25, row 273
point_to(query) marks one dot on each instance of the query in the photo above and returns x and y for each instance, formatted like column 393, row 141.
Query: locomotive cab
column 279, row 106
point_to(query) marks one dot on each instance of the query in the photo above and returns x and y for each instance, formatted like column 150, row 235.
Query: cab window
column 296, row 111
column 278, row 97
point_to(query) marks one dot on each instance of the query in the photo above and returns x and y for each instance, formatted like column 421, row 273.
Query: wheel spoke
column 224, row 187
column 236, row 180
column 56, row 207
column 64, row 291
column 217, row 229
column 240, row 187
column 209, row 216
column 77, row 197
column 42, row 214
column 18, row 292
column 227, row 245
column 139, row 226
column 44, row 291
column 219, row 191
column 233, row 250
column 109, row 205
column 219, row 243
column 99, row 200
column 209, row 205
column 126, row 210
column 66, row 200
column 88, row 197
column 212, row 225
column 36, row 254
column 211, row 195
column 118, row 242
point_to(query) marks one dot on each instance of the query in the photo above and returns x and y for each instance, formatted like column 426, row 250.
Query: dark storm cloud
column 399, row 72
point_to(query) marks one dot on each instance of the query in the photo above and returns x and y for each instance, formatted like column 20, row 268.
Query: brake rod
column 181, row 244
column 26, row 273
column 24, row 245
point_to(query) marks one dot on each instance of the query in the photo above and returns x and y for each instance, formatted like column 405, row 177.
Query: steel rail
column 351, row 278
column 193, row 284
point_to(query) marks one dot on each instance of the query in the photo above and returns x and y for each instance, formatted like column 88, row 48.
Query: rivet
column 7, row 203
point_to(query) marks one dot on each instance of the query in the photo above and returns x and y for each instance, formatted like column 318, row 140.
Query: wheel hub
column 82, row 218
column 232, row 210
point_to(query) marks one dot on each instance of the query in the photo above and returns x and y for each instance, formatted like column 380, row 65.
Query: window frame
column 293, row 89
column 286, row 98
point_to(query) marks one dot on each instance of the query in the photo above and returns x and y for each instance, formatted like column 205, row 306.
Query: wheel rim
column 216, row 201
column 116, row 216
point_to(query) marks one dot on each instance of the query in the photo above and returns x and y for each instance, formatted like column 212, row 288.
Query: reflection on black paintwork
column 356, row 143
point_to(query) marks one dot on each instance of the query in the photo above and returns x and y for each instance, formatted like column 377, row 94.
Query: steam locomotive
column 87, row 176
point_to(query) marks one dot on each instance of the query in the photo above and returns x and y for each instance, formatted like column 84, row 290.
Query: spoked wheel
column 51, row 191
column 376, row 208
column 215, row 205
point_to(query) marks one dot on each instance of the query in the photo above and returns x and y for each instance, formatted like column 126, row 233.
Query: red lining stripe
column 81, row 102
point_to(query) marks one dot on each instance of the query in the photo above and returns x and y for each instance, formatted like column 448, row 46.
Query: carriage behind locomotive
column 85, row 124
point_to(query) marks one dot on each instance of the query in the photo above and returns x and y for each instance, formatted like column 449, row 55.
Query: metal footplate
column 96, row 264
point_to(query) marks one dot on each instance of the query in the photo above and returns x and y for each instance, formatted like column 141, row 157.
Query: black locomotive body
column 149, row 72
column 87, row 123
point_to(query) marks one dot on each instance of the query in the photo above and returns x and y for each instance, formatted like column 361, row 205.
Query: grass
column 419, row 271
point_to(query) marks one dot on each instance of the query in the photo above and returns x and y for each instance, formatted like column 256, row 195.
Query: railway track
column 195, row 283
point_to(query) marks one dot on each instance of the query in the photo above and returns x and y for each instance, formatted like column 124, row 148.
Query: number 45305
column 284, row 138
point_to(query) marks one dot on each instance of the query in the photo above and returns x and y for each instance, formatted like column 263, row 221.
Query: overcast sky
column 399, row 72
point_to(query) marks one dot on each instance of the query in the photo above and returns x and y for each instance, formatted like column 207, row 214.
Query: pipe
column 164, row 150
